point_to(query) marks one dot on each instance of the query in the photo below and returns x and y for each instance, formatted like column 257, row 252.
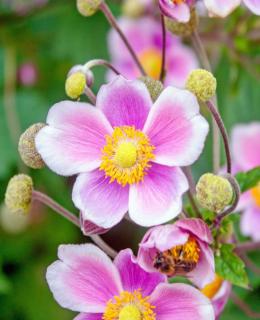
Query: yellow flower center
column 212, row 288
column 126, row 155
column 129, row 306
column 256, row 194
column 178, row 260
column 151, row 60
column 178, row 1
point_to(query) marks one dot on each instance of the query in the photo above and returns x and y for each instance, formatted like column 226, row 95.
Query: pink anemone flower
column 176, row 9
column 145, row 36
column 245, row 143
column 182, row 249
column 222, row 8
column 218, row 291
column 127, row 151
column 85, row 280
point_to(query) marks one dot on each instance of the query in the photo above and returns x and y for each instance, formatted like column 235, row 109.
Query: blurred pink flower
column 27, row 74
column 182, row 248
column 127, row 151
column 245, row 140
column 85, row 280
column 145, row 36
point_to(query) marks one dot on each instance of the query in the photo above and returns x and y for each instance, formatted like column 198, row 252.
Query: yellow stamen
column 126, row 155
column 211, row 289
column 151, row 61
column 189, row 251
column 178, row 1
column 256, row 194
column 129, row 306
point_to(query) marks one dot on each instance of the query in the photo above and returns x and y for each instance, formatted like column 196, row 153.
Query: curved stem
column 90, row 94
column 223, row 132
column 248, row 246
column 206, row 65
column 111, row 19
column 100, row 62
column 162, row 73
column 49, row 202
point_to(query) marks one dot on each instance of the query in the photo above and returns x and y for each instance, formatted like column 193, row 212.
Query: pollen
column 129, row 305
column 212, row 288
column 189, row 251
column 255, row 192
column 126, row 155
column 151, row 61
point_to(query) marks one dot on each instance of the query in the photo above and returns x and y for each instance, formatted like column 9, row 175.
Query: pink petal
column 181, row 301
column 253, row 5
column 180, row 12
column 133, row 276
column 125, row 102
column 246, row 145
column 159, row 238
column 158, row 198
column 176, row 128
column 100, row 202
column 72, row 141
column 89, row 316
column 84, row 279
column 197, row 227
column 204, row 273
column 221, row 8
column 88, row 228
column 221, row 298
column 250, row 222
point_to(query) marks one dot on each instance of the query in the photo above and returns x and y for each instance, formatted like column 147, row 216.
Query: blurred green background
column 54, row 38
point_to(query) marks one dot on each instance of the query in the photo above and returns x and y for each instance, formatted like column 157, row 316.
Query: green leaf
column 230, row 267
column 249, row 179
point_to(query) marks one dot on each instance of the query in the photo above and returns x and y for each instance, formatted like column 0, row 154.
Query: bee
column 167, row 263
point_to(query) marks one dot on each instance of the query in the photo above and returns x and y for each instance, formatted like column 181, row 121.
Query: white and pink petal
column 253, row 5
column 221, row 8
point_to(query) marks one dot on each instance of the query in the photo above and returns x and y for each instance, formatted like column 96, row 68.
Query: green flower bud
column 182, row 29
column 132, row 8
column 27, row 149
column 18, row 194
column 214, row 192
column 88, row 7
column 75, row 84
column 155, row 87
column 202, row 83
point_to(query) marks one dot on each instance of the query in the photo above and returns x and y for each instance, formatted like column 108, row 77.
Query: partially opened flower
column 176, row 9
column 182, row 249
column 245, row 141
column 85, row 280
column 127, row 151
column 145, row 36
column 222, row 8
column 218, row 291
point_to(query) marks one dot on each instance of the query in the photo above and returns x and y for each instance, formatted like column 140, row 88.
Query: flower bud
column 75, row 84
column 155, row 87
column 133, row 8
column 202, row 83
column 182, row 29
column 18, row 194
column 27, row 149
column 214, row 192
column 88, row 7
column 11, row 222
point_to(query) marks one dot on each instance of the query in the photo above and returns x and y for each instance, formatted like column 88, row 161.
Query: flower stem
column 248, row 246
column 244, row 306
column 112, row 20
column 49, row 202
column 206, row 65
column 100, row 62
column 162, row 73
column 91, row 95
column 223, row 132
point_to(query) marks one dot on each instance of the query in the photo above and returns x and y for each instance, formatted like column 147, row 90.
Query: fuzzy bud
column 27, row 149
column 202, row 83
column 214, row 192
column 133, row 8
column 155, row 87
column 18, row 194
column 88, row 7
column 75, row 85
column 183, row 29
column 11, row 222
